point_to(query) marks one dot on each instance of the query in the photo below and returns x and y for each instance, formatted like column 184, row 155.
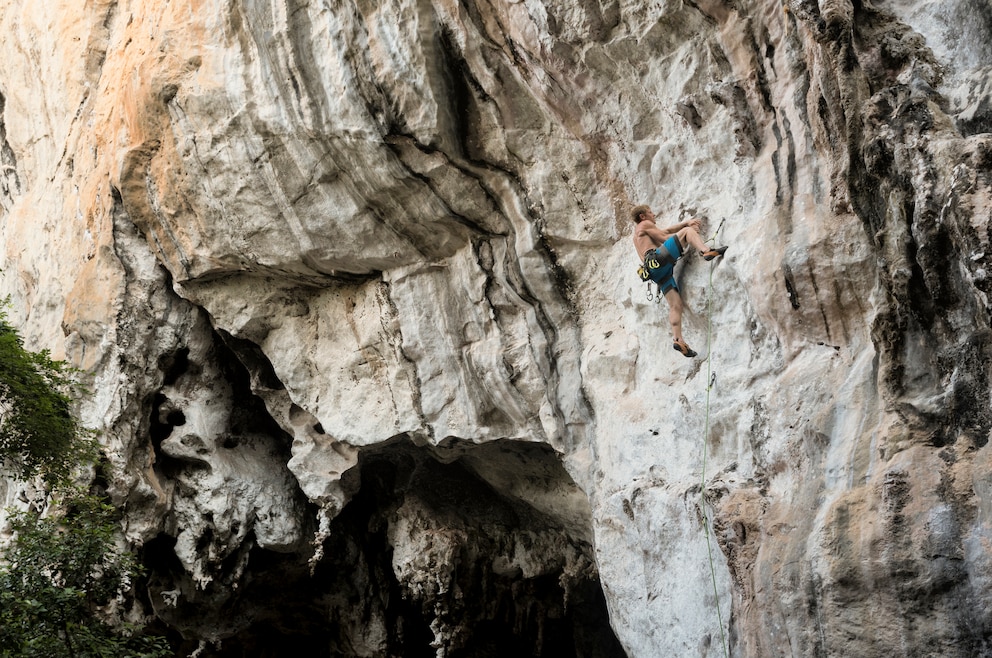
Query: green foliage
column 58, row 573
column 63, row 573
column 38, row 434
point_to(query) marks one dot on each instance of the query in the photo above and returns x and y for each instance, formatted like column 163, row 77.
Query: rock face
column 354, row 286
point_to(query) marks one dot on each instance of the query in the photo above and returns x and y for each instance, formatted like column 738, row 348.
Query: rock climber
column 660, row 249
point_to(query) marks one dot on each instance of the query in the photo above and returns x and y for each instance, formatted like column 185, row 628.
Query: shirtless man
column 660, row 249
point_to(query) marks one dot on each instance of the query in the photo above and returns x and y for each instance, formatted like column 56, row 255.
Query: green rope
column 710, row 376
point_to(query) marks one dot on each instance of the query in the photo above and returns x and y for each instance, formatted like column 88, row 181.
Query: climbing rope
column 710, row 380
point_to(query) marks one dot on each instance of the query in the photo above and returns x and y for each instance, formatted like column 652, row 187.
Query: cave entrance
column 478, row 550
column 463, row 551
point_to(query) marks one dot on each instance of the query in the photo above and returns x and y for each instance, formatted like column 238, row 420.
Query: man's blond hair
column 635, row 214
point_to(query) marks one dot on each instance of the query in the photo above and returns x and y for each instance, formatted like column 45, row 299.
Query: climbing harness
column 710, row 382
column 654, row 259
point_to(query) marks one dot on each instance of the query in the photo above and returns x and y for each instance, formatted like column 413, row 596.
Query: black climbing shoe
column 680, row 346
column 713, row 253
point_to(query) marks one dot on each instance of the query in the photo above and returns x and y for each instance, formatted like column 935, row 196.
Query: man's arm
column 650, row 229
column 661, row 234
column 694, row 223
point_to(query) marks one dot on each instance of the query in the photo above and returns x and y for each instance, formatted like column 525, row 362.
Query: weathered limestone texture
column 354, row 285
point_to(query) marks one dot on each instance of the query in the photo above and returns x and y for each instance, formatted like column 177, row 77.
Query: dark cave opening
column 490, row 613
column 362, row 601
column 174, row 365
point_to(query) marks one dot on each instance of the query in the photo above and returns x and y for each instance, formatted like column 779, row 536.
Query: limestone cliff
column 354, row 287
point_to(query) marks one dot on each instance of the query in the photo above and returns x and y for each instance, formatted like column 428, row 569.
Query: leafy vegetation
column 38, row 433
column 63, row 574
column 59, row 573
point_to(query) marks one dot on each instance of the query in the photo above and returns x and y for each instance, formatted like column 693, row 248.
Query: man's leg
column 690, row 236
column 674, row 300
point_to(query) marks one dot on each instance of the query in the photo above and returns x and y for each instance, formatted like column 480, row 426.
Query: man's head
column 640, row 212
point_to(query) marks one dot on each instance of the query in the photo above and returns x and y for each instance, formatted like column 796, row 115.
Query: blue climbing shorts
column 660, row 263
